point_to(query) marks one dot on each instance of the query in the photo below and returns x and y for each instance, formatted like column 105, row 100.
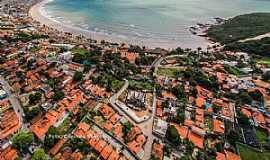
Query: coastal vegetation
column 240, row 27
column 258, row 47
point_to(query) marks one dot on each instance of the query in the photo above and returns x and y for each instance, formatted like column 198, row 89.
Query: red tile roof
column 196, row 139
column 218, row 126
column 8, row 154
column 105, row 153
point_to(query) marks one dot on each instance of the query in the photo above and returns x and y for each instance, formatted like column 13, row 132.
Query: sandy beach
column 36, row 13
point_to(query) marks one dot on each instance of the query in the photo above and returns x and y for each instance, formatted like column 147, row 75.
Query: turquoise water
column 165, row 21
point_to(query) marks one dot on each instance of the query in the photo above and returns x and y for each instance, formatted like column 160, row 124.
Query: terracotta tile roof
column 95, row 89
column 134, row 146
column 182, row 130
column 75, row 67
column 196, row 139
column 134, row 132
column 115, row 118
column 106, row 111
column 218, row 126
column 76, row 156
column 108, row 126
column 159, row 110
column 8, row 154
column 118, row 130
column 259, row 118
column 200, row 101
column 131, row 56
column 246, row 112
column 204, row 92
column 188, row 122
column 141, row 139
column 93, row 142
column 261, row 83
column 57, row 147
column 100, row 145
column 168, row 95
column 232, row 156
column 40, row 128
column 157, row 151
column 220, row 156
column 105, row 153
column 114, row 156
column 71, row 102
column 9, row 124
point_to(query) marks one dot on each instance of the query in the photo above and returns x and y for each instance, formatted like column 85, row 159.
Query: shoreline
column 36, row 14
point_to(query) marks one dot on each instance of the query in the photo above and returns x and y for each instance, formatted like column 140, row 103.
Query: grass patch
column 264, row 60
column 80, row 51
column 141, row 85
column 261, row 136
column 247, row 153
column 170, row 72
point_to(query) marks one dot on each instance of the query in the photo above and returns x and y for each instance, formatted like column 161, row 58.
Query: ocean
column 160, row 22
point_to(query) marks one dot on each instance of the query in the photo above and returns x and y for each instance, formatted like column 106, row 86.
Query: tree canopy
column 39, row 154
column 172, row 135
column 22, row 140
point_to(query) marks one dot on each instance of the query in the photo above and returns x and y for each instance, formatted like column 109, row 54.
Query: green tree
column 172, row 135
column 39, row 154
column 179, row 92
column 243, row 119
column 22, row 140
column 78, row 76
column 127, row 127
column 245, row 98
column 165, row 104
column 189, row 147
column 180, row 116
column 50, row 137
column 58, row 95
column 233, row 137
column 34, row 98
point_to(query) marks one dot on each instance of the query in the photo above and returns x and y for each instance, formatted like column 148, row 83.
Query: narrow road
column 14, row 102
